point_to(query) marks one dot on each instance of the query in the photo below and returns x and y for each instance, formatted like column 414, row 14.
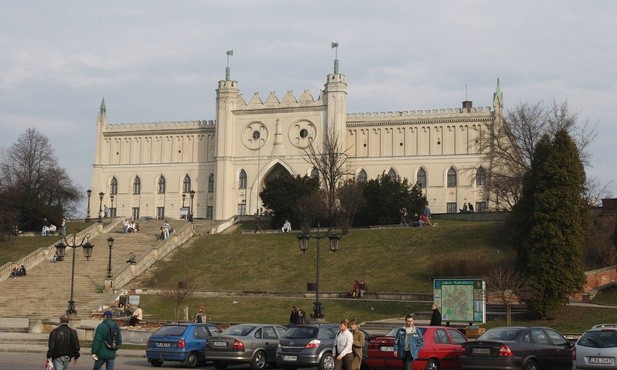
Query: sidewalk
column 37, row 343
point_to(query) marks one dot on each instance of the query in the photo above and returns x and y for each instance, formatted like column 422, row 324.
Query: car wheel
column 432, row 365
column 326, row 362
column 530, row 365
column 220, row 365
column 258, row 362
column 157, row 362
column 192, row 360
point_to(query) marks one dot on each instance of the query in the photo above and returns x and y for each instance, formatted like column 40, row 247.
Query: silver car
column 254, row 344
column 597, row 348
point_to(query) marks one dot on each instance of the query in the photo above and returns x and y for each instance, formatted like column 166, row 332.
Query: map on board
column 460, row 300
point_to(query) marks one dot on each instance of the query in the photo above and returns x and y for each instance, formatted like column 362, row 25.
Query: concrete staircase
column 45, row 291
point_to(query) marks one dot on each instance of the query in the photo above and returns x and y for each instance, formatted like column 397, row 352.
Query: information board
column 461, row 300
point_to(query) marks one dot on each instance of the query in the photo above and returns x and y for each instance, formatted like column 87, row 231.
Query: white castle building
column 215, row 169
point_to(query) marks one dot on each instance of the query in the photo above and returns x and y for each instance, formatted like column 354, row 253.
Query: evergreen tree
column 281, row 195
column 550, row 220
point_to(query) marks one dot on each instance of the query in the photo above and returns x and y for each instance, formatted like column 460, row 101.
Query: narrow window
column 452, row 178
column 242, row 179
column 421, row 178
column 480, row 177
column 211, row 183
column 392, row 174
column 362, row 177
column 137, row 185
column 113, row 186
column 161, row 185
column 186, row 184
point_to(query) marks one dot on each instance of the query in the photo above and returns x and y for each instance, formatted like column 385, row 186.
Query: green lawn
column 15, row 248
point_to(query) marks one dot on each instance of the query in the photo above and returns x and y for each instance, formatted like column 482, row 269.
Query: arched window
column 186, row 184
column 451, row 177
column 392, row 174
column 211, row 183
column 481, row 177
column 362, row 177
column 314, row 173
column 161, row 185
column 113, row 186
column 421, row 178
column 242, row 179
column 137, row 185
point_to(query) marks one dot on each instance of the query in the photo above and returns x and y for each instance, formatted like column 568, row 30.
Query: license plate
column 290, row 358
column 159, row 344
column 386, row 349
column 220, row 344
column 601, row 360
column 481, row 351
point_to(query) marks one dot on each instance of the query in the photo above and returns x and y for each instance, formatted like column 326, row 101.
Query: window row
column 161, row 186
column 451, row 182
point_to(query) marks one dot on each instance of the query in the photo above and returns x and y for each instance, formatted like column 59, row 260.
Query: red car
column 442, row 349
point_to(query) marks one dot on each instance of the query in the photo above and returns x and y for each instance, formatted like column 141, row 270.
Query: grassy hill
column 389, row 259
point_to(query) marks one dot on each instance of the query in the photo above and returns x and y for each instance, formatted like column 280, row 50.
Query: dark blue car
column 184, row 342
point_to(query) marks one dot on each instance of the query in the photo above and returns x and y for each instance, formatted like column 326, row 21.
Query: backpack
column 112, row 340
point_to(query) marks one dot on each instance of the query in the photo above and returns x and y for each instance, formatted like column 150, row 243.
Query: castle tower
column 227, row 96
column 335, row 99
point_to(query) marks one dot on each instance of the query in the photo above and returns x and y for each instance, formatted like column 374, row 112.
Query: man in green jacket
column 100, row 352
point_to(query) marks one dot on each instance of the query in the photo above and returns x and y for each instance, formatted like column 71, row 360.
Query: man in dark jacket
column 63, row 345
column 436, row 316
column 100, row 352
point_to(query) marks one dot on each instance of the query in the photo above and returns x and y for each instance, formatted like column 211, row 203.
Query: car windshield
column 599, row 339
column 238, row 330
column 171, row 330
column 301, row 332
column 500, row 334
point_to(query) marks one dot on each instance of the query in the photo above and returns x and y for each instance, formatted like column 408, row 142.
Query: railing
column 149, row 258
column 45, row 253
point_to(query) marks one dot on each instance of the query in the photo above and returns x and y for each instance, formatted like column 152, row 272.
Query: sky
column 156, row 61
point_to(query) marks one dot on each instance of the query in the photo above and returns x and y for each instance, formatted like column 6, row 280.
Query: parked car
column 597, row 348
column 442, row 349
column 180, row 342
column 254, row 344
column 525, row 348
column 310, row 346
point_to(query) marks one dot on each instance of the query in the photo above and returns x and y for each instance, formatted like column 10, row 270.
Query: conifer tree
column 550, row 221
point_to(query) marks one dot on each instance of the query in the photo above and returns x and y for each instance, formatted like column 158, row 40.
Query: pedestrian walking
column 63, row 345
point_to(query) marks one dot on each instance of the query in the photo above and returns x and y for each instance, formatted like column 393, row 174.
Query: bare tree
column 509, row 286
column 510, row 147
column 350, row 199
column 309, row 208
column 178, row 292
column 30, row 172
column 330, row 161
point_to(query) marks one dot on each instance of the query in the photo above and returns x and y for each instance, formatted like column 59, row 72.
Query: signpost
column 461, row 300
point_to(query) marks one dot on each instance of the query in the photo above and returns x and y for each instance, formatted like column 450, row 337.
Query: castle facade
column 215, row 169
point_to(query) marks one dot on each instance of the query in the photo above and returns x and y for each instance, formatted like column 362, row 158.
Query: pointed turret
column 102, row 117
column 277, row 147
column 498, row 97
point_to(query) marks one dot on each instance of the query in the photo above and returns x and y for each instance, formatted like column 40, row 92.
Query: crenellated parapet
column 156, row 126
column 458, row 112
column 288, row 101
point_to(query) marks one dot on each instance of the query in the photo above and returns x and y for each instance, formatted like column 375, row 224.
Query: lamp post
column 89, row 192
column 101, row 195
column 110, row 244
column 112, row 210
column 192, row 193
column 303, row 240
column 61, row 250
column 183, row 199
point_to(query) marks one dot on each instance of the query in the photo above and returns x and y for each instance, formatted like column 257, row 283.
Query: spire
column 335, row 47
column 102, row 118
column 277, row 148
column 227, row 70
column 498, row 96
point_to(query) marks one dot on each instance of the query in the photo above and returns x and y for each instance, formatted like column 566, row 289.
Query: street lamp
column 110, row 243
column 101, row 195
column 112, row 210
column 61, row 250
column 183, row 199
column 88, row 214
column 303, row 240
column 192, row 193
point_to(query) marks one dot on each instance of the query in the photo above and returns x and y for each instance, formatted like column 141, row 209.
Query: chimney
column 467, row 104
